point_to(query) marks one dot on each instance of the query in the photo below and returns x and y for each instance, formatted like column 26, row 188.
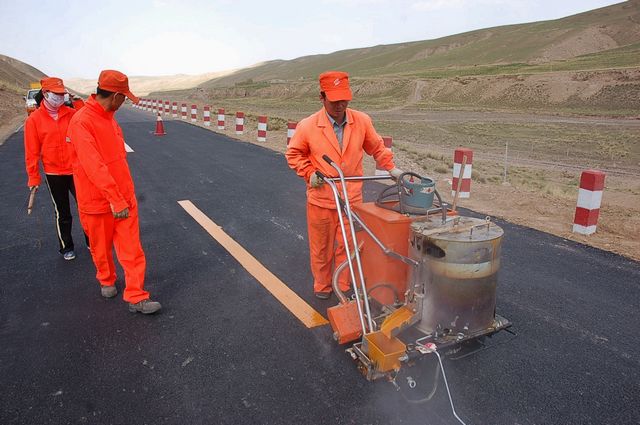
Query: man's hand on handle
column 396, row 173
column 315, row 180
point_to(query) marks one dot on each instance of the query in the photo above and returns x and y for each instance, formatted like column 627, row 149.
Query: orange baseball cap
column 117, row 82
column 335, row 84
column 53, row 84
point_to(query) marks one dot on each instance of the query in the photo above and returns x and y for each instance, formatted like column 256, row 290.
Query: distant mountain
column 16, row 75
column 142, row 85
column 575, row 42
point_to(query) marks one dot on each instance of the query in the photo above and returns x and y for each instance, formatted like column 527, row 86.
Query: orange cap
column 53, row 84
column 335, row 84
column 117, row 82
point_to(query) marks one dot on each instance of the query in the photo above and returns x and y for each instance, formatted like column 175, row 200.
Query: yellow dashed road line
column 296, row 305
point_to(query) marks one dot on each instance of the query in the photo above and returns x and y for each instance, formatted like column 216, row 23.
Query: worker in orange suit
column 344, row 135
column 106, row 196
column 44, row 140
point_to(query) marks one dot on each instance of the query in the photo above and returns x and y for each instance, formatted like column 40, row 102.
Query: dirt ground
column 549, row 208
column 12, row 113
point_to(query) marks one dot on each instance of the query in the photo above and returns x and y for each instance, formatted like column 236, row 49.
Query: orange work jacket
column 314, row 137
column 77, row 104
column 100, row 170
column 44, row 139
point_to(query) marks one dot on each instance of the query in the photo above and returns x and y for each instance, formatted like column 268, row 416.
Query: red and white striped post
column 144, row 104
column 160, row 107
column 183, row 111
column 388, row 143
column 239, row 122
column 221, row 119
column 262, row 128
column 167, row 108
column 206, row 115
column 589, row 199
column 194, row 113
column 174, row 110
column 153, row 106
column 291, row 130
column 465, row 186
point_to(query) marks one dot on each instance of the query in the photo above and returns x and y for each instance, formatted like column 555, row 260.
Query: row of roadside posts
column 589, row 193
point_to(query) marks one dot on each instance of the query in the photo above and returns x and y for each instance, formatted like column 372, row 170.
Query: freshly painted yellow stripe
column 296, row 305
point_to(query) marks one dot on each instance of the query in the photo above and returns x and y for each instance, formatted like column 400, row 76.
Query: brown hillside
column 15, row 77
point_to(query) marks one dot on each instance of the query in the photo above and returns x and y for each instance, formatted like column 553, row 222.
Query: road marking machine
column 423, row 277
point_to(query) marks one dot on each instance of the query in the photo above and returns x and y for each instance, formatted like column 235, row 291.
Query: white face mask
column 55, row 100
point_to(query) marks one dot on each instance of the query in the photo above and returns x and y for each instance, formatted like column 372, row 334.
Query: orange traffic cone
column 159, row 127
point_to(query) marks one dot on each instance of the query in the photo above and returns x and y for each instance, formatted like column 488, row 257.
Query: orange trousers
column 105, row 232
column 326, row 247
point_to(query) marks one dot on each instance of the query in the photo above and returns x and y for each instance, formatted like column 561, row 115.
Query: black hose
column 388, row 286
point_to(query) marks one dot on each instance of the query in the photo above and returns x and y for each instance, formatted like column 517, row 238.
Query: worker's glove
column 396, row 173
column 33, row 188
column 120, row 214
column 315, row 180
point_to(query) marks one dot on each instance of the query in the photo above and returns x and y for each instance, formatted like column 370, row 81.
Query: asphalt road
column 225, row 351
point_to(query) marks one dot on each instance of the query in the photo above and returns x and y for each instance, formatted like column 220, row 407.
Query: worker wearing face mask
column 44, row 140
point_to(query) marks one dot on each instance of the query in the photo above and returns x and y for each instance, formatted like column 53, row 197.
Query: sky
column 78, row 38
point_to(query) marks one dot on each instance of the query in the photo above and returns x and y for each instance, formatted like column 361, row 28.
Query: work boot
column 69, row 255
column 145, row 307
column 322, row 295
column 108, row 291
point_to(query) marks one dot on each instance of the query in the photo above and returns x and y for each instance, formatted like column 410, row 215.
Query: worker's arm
column 32, row 152
column 93, row 165
column 298, row 153
column 374, row 146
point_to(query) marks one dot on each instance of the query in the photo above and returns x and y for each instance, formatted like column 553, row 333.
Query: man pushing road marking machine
column 423, row 278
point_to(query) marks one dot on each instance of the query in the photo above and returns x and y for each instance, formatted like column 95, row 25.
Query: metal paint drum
column 458, row 273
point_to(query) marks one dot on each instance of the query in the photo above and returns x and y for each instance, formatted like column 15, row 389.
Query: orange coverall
column 44, row 139
column 315, row 137
column 102, row 179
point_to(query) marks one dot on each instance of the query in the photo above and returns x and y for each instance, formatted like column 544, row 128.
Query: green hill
column 602, row 38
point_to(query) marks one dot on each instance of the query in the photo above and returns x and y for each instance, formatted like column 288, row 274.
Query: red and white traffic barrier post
column 206, row 115
column 589, row 199
column 388, row 143
column 183, row 111
column 220, row 119
column 465, row 186
column 262, row 128
column 291, row 130
column 167, row 108
column 239, row 122
column 174, row 110
column 194, row 113
column 160, row 107
column 153, row 106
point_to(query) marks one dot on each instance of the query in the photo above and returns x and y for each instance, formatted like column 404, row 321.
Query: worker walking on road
column 343, row 134
column 44, row 140
column 106, row 196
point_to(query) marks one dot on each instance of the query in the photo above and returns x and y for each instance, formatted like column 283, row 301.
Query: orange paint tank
column 383, row 273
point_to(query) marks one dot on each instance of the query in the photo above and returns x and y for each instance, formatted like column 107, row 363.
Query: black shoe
column 322, row 295
column 348, row 294
column 145, row 307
